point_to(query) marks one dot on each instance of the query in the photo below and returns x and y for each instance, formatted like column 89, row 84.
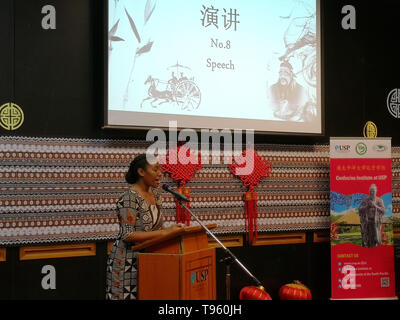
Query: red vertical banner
column 362, row 252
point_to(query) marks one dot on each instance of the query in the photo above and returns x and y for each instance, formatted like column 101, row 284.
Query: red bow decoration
column 182, row 164
column 251, row 170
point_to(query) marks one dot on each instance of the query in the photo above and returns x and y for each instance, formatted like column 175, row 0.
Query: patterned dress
column 134, row 214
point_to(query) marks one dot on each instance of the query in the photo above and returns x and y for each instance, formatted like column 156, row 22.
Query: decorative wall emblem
column 393, row 103
column 370, row 130
column 11, row 116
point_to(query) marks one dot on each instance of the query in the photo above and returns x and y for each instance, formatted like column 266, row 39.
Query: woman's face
column 152, row 174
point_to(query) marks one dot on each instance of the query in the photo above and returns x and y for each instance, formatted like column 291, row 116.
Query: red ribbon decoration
column 182, row 172
column 251, row 175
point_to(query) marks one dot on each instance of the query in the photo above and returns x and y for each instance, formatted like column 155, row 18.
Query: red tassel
column 186, row 192
column 255, row 214
column 246, row 215
column 182, row 216
column 178, row 212
column 251, row 215
column 178, row 209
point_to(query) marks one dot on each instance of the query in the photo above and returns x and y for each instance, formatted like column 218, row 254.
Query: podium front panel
column 198, row 275
column 158, row 276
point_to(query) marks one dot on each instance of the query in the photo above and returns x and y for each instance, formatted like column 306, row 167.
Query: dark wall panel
column 75, row 277
column 277, row 265
column 344, row 68
column 6, row 53
column 383, row 66
column 7, row 275
column 54, row 69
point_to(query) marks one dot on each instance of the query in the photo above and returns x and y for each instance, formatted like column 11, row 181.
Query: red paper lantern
column 254, row 293
column 295, row 291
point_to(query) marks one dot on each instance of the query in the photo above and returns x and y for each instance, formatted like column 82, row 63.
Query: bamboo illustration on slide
column 112, row 37
column 148, row 11
column 111, row 34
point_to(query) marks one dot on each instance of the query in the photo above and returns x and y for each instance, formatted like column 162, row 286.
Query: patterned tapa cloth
column 65, row 190
column 134, row 214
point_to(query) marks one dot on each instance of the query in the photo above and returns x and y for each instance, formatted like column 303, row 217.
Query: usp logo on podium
column 11, row 116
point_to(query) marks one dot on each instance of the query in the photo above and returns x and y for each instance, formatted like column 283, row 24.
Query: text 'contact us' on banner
column 362, row 252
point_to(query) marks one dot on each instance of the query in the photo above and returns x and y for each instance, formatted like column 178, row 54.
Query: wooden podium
column 179, row 266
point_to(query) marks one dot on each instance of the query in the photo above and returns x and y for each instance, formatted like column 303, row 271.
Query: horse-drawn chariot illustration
column 179, row 89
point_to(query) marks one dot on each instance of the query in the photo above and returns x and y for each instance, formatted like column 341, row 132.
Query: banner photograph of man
column 371, row 211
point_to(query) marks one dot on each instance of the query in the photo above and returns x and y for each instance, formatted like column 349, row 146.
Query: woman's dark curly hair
column 140, row 162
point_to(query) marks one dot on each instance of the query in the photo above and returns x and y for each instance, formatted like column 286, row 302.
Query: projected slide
column 243, row 64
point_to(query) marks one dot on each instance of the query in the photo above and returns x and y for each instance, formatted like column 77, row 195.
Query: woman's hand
column 173, row 228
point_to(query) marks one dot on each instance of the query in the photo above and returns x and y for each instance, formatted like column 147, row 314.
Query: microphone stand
column 228, row 259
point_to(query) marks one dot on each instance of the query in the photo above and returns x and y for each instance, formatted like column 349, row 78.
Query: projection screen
column 236, row 64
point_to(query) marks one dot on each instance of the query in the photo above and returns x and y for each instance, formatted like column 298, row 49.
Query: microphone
column 174, row 192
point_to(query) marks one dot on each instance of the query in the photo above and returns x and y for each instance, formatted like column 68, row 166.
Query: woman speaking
column 140, row 219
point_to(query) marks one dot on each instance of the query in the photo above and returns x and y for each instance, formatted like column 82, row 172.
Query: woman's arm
column 141, row 236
